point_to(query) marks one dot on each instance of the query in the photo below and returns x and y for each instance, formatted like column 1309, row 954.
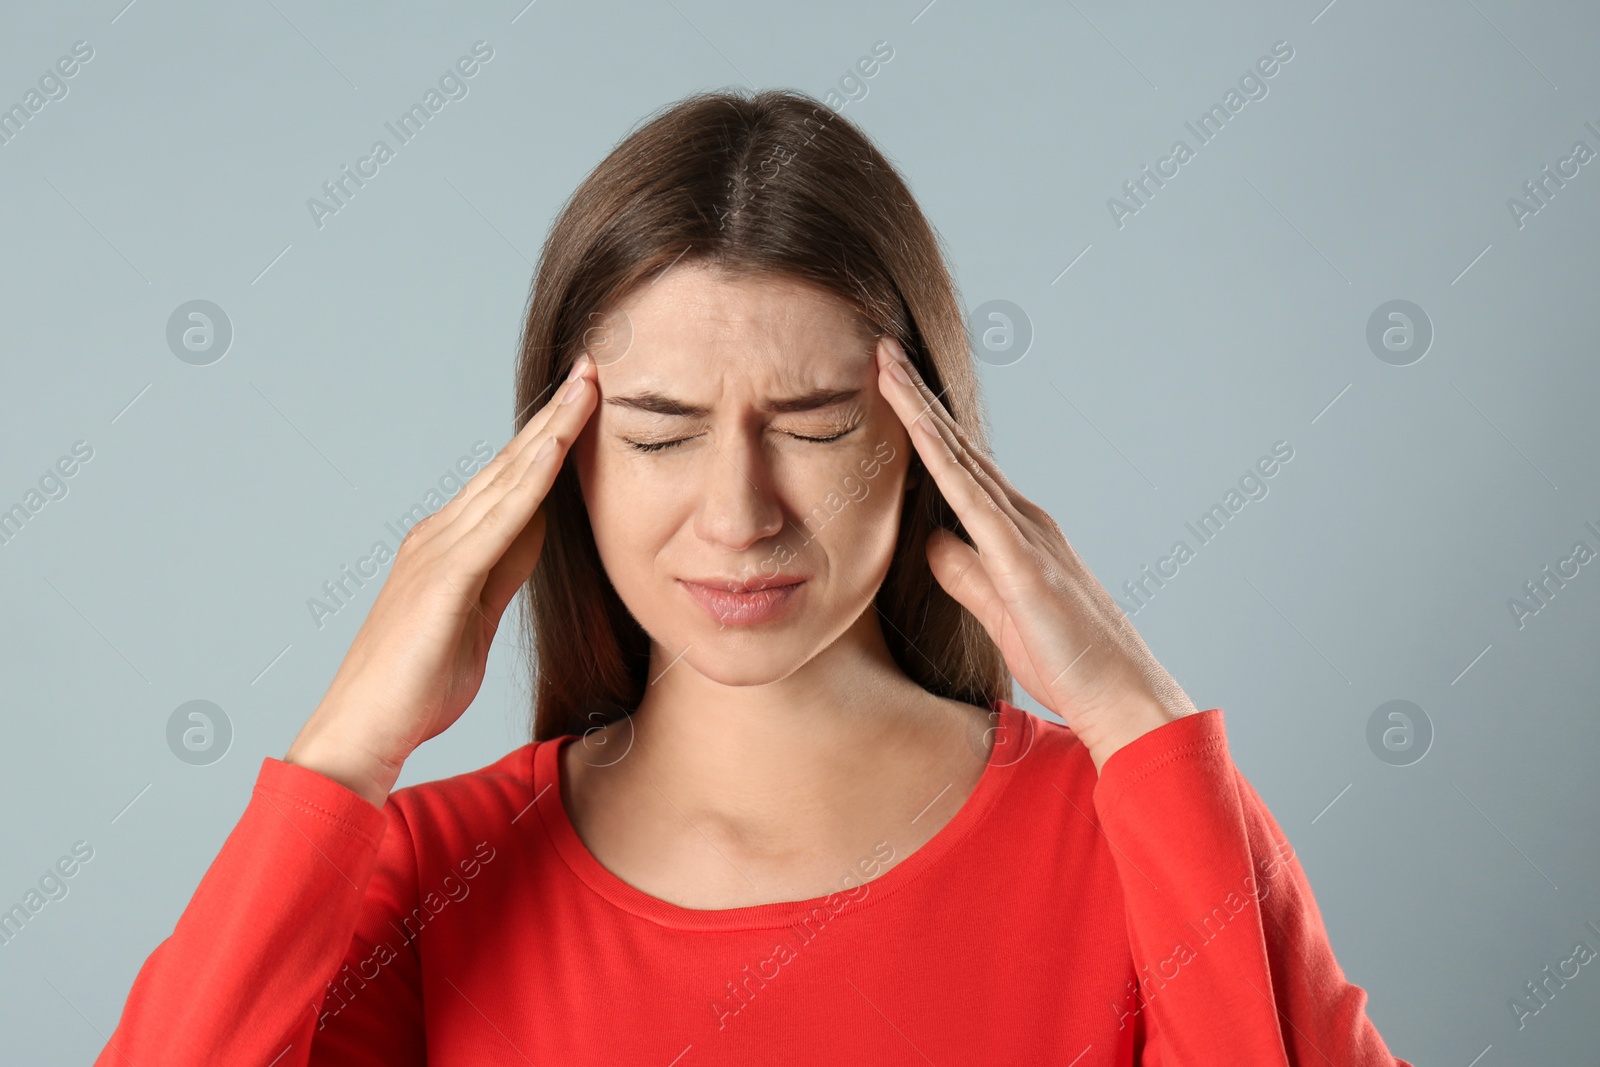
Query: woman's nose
column 739, row 502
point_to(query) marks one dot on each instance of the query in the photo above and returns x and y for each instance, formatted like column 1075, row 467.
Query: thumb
column 957, row 567
column 515, row 566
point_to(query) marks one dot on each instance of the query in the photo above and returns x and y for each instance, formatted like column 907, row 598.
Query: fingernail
column 545, row 449
column 577, row 367
column 896, row 351
column 899, row 371
column 573, row 389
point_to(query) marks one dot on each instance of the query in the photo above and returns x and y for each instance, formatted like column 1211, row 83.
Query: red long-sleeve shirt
column 1152, row 914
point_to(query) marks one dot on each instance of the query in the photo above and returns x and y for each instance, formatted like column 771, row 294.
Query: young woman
column 778, row 807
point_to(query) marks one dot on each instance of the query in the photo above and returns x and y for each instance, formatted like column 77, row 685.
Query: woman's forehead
column 698, row 304
column 773, row 341
column 789, row 360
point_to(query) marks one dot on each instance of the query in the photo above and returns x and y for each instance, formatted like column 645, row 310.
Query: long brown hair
column 772, row 182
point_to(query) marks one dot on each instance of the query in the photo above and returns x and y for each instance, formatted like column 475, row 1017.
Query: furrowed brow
column 660, row 404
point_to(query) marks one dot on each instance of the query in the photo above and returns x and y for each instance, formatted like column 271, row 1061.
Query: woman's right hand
column 419, row 658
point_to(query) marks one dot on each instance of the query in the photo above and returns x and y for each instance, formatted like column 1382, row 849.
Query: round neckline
column 1013, row 722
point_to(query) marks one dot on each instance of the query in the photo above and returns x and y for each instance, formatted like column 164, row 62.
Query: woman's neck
column 716, row 796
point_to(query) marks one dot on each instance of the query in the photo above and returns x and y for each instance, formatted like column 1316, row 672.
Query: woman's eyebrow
column 660, row 404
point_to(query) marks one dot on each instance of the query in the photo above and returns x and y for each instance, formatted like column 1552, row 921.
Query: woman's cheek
column 858, row 497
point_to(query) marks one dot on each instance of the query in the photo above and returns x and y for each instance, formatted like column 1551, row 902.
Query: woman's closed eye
column 658, row 446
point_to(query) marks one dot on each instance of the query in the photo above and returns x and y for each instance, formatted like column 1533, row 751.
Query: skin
column 764, row 763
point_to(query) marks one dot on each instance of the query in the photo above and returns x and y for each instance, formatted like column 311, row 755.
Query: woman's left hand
column 1063, row 637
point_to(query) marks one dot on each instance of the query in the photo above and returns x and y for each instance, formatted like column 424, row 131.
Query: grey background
column 1229, row 313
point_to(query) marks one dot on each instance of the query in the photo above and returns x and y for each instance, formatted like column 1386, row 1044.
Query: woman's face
column 742, row 473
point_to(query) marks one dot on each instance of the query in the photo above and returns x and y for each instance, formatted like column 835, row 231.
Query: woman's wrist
column 1119, row 725
column 322, row 749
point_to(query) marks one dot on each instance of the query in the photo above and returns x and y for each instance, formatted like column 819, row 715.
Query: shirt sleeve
column 273, row 961
column 1232, row 961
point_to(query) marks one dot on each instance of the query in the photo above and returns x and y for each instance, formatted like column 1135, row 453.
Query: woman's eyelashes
column 652, row 446
column 659, row 446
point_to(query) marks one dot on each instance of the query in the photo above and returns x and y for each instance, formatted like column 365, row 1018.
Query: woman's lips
column 732, row 608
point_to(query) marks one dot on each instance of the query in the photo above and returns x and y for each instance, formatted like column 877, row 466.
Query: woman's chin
column 737, row 658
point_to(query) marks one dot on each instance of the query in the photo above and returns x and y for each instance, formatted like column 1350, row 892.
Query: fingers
column 515, row 565
column 981, row 460
column 976, row 494
column 959, row 570
column 492, row 520
column 509, row 455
